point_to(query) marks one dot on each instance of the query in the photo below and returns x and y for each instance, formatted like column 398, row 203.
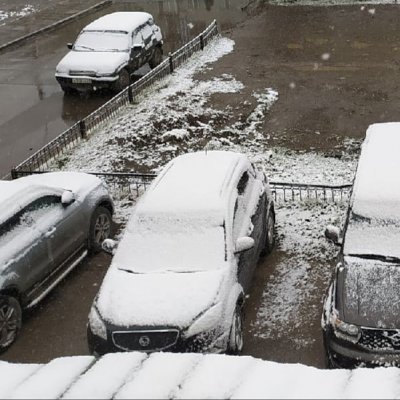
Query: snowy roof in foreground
column 376, row 192
column 166, row 375
column 119, row 21
column 194, row 183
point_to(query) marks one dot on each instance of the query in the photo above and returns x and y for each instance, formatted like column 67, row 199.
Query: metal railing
column 286, row 191
column 72, row 136
column 131, row 185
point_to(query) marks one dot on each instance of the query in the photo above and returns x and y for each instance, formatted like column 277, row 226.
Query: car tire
column 235, row 341
column 269, row 234
column 123, row 81
column 157, row 57
column 100, row 229
column 10, row 321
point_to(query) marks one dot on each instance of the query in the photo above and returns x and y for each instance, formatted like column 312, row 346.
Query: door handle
column 50, row 232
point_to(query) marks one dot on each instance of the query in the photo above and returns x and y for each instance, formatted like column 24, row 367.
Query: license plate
column 81, row 80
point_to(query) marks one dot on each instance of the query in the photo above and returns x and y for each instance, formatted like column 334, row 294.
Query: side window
column 147, row 34
column 243, row 181
column 137, row 38
column 241, row 217
column 41, row 209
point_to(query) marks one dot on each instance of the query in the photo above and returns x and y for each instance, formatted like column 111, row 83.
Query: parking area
column 298, row 106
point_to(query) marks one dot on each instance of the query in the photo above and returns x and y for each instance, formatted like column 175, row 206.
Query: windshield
column 371, row 293
column 188, row 251
column 372, row 238
column 102, row 41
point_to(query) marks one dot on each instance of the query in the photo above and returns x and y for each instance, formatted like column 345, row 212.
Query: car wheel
column 100, row 228
column 270, row 234
column 157, row 57
column 235, row 344
column 123, row 80
column 10, row 321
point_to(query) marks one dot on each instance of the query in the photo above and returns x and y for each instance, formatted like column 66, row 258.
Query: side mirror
column 70, row 45
column 109, row 246
column 243, row 244
column 137, row 48
column 333, row 234
column 67, row 198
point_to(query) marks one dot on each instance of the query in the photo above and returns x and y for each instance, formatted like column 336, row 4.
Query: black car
column 361, row 316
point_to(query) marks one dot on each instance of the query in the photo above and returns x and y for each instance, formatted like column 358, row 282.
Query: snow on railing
column 130, row 184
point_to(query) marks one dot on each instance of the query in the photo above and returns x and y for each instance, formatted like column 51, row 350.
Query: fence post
column 13, row 173
column 130, row 94
column 82, row 128
column 201, row 42
column 171, row 64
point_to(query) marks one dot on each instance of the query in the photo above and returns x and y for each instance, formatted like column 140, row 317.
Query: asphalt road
column 33, row 108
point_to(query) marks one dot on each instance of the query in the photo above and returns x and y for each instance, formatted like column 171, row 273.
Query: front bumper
column 344, row 354
column 202, row 343
column 84, row 83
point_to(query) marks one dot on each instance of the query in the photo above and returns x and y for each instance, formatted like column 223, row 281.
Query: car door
column 246, row 222
column 24, row 252
column 63, row 227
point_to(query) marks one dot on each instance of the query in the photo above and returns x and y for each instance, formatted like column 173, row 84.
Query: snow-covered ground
column 177, row 117
column 26, row 10
column 186, row 376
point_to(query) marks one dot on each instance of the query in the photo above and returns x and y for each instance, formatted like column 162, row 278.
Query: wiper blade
column 84, row 47
column 376, row 257
column 130, row 271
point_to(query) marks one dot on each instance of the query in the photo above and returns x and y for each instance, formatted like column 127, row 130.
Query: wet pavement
column 34, row 109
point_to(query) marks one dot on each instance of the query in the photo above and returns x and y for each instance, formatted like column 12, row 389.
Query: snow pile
column 188, row 376
column 28, row 9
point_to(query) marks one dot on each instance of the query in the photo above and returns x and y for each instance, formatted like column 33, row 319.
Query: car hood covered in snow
column 158, row 299
column 371, row 296
column 92, row 62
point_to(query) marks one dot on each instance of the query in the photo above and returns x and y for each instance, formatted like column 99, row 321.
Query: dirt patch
column 335, row 69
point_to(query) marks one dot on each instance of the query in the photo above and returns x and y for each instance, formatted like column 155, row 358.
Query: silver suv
column 48, row 224
column 109, row 50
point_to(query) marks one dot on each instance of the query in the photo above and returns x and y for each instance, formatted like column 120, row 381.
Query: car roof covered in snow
column 16, row 194
column 194, row 183
column 119, row 21
column 376, row 191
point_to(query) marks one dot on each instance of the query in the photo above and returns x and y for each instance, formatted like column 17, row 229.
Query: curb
column 53, row 26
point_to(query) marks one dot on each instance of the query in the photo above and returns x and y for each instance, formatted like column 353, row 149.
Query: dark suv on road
column 361, row 315
column 109, row 50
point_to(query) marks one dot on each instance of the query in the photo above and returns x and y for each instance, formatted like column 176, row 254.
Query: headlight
column 345, row 331
column 96, row 324
column 206, row 321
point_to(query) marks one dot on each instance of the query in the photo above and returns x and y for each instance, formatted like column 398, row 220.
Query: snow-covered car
column 179, row 276
column 109, row 50
column 48, row 224
column 361, row 315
